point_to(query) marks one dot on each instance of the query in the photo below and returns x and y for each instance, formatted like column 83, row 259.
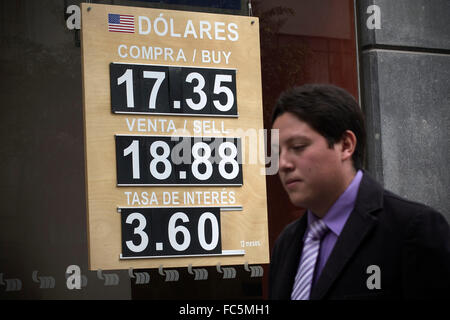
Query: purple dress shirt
column 335, row 219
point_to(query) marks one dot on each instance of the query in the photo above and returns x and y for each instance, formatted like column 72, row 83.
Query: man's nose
column 285, row 162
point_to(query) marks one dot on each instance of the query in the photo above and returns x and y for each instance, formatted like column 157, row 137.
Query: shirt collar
column 339, row 212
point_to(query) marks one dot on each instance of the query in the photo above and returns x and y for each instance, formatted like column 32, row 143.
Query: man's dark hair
column 329, row 110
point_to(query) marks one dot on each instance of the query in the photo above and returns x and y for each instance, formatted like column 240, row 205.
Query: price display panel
column 175, row 159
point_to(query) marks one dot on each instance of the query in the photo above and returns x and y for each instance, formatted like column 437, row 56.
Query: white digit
column 174, row 230
column 228, row 159
column 133, row 148
column 159, row 76
column 139, row 231
column 219, row 89
column 198, row 159
column 201, row 231
column 128, row 78
column 160, row 158
column 197, row 89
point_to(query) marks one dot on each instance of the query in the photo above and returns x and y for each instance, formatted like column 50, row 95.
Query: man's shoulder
column 395, row 208
column 393, row 200
column 416, row 212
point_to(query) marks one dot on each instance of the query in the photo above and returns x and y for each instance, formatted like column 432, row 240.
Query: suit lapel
column 293, row 258
column 357, row 227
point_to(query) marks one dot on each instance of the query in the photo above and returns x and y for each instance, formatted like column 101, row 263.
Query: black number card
column 148, row 232
column 166, row 160
column 156, row 89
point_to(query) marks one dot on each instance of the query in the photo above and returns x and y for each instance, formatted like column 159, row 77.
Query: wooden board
column 235, row 39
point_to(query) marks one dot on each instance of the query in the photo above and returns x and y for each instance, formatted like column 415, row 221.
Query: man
column 356, row 240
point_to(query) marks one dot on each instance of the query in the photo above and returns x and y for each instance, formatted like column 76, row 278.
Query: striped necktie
column 305, row 272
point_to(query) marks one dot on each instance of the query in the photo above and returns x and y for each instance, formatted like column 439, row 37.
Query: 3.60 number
column 170, row 231
column 173, row 230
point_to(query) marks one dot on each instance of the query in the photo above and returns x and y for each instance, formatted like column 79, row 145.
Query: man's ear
column 348, row 145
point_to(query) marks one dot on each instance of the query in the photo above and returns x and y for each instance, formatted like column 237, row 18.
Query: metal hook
column 161, row 270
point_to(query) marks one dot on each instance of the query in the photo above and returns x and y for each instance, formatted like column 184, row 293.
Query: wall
column 405, row 69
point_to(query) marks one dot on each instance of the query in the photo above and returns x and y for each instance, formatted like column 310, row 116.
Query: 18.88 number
column 155, row 160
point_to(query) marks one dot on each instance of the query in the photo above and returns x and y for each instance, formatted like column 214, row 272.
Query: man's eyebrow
column 298, row 137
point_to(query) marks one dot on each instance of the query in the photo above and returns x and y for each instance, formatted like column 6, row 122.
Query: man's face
column 309, row 170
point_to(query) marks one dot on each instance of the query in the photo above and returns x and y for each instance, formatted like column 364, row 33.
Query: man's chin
column 298, row 201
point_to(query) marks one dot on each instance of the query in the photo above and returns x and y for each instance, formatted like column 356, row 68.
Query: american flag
column 120, row 23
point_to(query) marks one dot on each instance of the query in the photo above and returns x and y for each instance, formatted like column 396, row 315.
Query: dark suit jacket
column 408, row 241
